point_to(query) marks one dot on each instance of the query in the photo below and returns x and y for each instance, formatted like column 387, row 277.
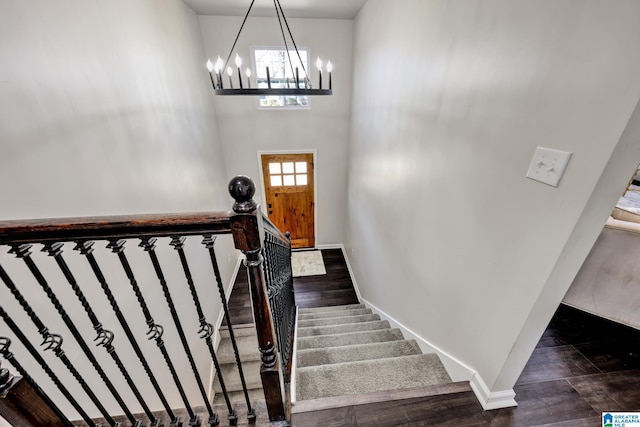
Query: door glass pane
column 301, row 167
column 276, row 181
column 301, row 179
column 287, row 167
column 274, row 168
column 288, row 180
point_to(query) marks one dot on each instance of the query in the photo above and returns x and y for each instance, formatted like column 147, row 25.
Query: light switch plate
column 548, row 165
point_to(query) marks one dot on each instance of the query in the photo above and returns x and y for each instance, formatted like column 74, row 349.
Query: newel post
column 24, row 404
column 248, row 235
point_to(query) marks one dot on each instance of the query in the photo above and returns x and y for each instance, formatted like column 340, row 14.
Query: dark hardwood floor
column 333, row 288
column 582, row 366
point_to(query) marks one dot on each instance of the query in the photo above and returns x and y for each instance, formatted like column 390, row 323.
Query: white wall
column 444, row 231
column 105, row 108
column 245, row 130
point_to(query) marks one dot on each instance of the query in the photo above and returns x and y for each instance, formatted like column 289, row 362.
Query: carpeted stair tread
column 435, row 391
column 251, row 370
column 243, row 331
column 349, row 338
column 368, row 376
column 338, row 320
column 352, row 353
column 330, row 308
column 339, row 329
column 237, row 397
column 340, row 313
column 247, row 348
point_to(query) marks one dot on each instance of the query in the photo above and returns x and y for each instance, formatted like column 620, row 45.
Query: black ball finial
column 242, row 189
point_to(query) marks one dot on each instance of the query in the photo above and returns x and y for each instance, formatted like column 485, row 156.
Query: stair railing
column 252, row 234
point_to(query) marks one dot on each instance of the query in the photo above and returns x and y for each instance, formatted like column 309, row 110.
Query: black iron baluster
column 149, row 245
column 23, row 252
column 44, row 365
column 10, row 357
column 155, row 331
column 206, row 329
column 86, row 249
column 277, row 263
column 104, row 336
column 51, row 341
column 209, row 241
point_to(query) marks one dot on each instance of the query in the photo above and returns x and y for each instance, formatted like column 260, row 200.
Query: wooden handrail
column 113, row 227
column 275, row 231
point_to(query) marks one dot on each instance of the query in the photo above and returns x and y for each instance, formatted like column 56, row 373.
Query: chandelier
column 299, row 84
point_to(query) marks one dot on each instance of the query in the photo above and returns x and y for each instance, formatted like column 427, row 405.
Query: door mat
column 307, row 263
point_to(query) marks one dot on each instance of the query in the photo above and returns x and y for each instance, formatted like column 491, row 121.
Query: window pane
column 274, row 168
column 287, row 167
column 281, row 75
column 301, row 179
column 276, row 180
column 301, row 167
column 288, row 180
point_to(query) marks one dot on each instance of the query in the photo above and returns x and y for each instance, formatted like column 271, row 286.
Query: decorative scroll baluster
column 43, row 364
column 23, row 251
column 206, row 329
column 245, row 227
column 51, row 342
column 104, row 337
column 86, row 249
column 155, row 331
column 277, row 257
column 209, row 242
column 49, row 410
column 149, row 245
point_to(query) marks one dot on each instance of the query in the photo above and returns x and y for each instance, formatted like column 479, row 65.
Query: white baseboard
column 457, row 370
column 492, row 400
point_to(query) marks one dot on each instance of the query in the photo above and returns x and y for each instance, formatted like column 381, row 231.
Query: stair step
column 350, row 338
column 327, row 314
column 237, row 397
column 238, row 331
column 330, row 308
column 436, row 390
column 338, row 320
column 352, row 353
column 247, row 348
column 368, row 376
column 339, row 329
column 231, row 376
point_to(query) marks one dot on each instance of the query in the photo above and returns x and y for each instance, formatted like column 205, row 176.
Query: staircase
column 247, row 342
column 345, row 352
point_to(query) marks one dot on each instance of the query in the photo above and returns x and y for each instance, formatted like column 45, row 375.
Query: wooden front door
column 288, row 182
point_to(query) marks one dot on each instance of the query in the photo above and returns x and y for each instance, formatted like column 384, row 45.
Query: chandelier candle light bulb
column 329, row 70
column 248, row 73
column 218, row 69
column 230, row 72
column 268, row 79
column 239, row 64
column 210, row 68
column 319, row 65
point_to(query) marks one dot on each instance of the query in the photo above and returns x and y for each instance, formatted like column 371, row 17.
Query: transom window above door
column 288, row 174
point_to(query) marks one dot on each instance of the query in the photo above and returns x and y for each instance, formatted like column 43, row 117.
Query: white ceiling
column 321, row 9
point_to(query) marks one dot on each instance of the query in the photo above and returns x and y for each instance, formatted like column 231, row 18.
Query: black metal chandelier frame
column 297, row 88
